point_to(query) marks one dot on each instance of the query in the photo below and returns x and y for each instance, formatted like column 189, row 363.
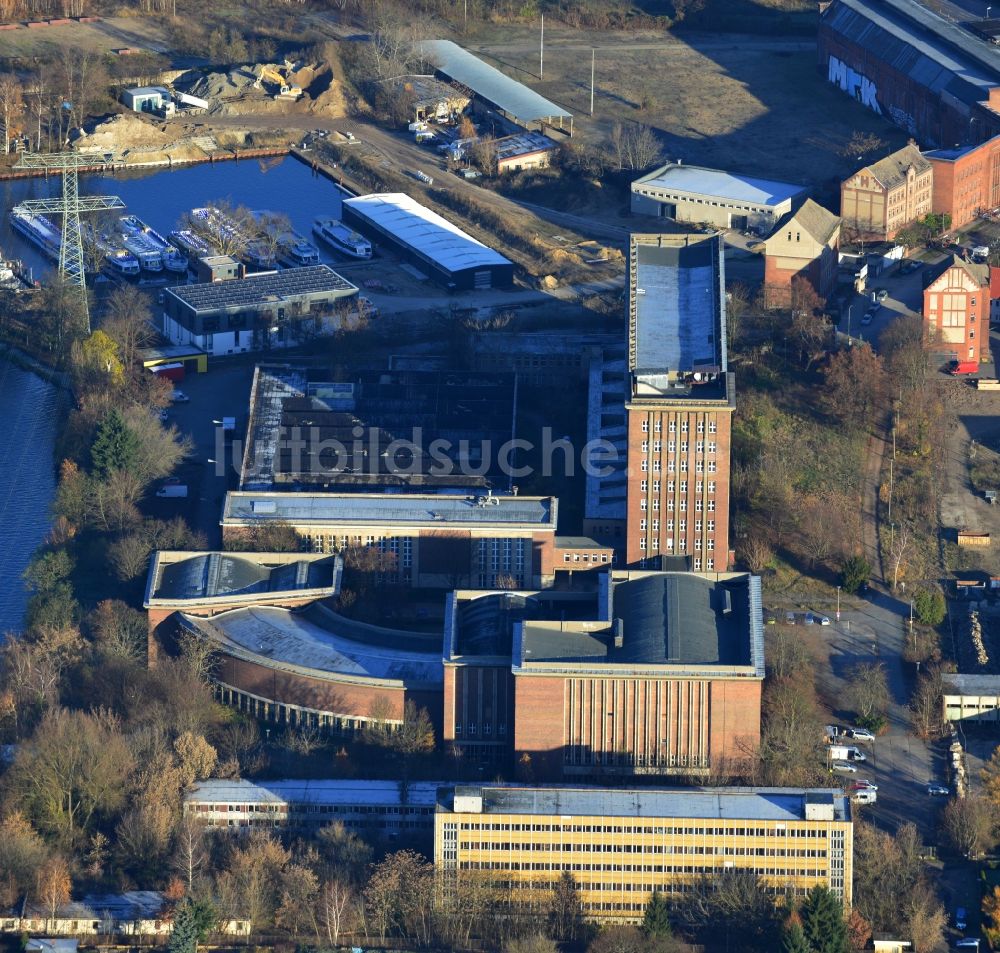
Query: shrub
column 854, row 573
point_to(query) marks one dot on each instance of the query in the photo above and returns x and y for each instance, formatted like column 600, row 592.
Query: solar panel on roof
column 257, row 289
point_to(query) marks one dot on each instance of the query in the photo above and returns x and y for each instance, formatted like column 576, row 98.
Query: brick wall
column 965, row 186
column 685, row 496
column 538, row 726
column 734, row 721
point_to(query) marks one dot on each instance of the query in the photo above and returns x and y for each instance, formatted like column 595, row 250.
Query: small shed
column 146, row 99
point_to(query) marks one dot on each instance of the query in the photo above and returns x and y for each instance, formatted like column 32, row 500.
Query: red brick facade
column 479, row 710
column 957, row 313
column 678, row 482
column 588, row 726
column 966, row 182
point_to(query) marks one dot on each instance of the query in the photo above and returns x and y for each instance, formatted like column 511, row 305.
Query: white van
column 864, row 797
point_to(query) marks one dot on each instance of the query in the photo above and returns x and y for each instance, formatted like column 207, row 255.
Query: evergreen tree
column 193, row 921
column 115, row 446
column 793, row 939
column 656, row 919
column 823, row 922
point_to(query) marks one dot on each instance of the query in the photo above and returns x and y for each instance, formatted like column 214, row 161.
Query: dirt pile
column 125, row 132
column 234, row 93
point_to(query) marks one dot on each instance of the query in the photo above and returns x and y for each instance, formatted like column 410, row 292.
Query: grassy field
column 754, row 104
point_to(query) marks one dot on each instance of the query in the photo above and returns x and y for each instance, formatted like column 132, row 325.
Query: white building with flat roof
column 690, row 193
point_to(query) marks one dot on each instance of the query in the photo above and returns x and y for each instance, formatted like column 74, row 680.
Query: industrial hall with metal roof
column 934, row 77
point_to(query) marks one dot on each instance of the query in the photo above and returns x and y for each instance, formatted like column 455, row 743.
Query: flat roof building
column 526, row 150
column 621, row 845
column 376, row 430
column 273, row 309
column 377, row 810
column 664, row 650
column 428, row 540
column 966, row 180
column 690, row 193
column 507, row 96
column 437, row 247
column 971, row 699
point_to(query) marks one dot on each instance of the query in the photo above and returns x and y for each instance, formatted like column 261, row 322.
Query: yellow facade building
column 620, row 845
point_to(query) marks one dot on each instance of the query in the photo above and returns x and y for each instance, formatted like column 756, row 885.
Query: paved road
column 898, row 762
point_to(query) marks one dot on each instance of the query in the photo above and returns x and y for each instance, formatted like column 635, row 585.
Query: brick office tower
column 680, row 404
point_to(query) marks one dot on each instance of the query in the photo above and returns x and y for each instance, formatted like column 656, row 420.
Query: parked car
column 862, row 784
column 864, row 796
column 867, row 318
column 770, row 617
column 844, row 767
column 790, row 618
column 179, row 397
column 968, row 943
column 960, row 919
column 823, row 619
column 809, row 619
column 860, row 734
column 881, row 294
column 910, row 266
column 937, row 790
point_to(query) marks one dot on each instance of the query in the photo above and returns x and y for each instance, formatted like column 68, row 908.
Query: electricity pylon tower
column 69, row 206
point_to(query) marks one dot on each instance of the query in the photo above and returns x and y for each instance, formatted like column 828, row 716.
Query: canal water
column 29, row 406
column 162, row 197
column 29, row 409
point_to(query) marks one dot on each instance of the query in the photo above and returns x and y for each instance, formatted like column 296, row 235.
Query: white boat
column 38, row 230
column 9, row 280
column 144, row 249
column 192, row 243
column 119, row 261
column 255, row 253
column 293, row 249
column 343, row 239
column 170, row 257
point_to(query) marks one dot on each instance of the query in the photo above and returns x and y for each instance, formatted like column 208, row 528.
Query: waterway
column 163, row 197
column 29, row 409
column 29, row 405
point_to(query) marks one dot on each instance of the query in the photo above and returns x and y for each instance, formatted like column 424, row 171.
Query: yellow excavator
column 278, row 76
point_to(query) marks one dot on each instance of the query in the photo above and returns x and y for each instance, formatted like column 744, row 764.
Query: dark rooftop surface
column 486, row 624
column 259, row 289
column 664, row 618
column 679, row 311
column 209, row 575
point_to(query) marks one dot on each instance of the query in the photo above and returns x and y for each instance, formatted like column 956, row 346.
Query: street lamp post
column 838, row 603
column 988, row 12
column 850, row 308
column 913, row 638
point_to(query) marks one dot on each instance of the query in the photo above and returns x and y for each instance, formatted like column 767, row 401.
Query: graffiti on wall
column 902, row 118
column 854, row 84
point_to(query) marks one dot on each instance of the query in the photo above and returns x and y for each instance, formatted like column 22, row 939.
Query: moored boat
column 343, row 239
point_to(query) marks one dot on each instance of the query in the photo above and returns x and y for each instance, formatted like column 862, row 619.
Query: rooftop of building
column 306, row 431
column 427, row 90
column 170, row 352
column 677, row 326
column 703, row 621
column 425, row 231
column 730, row 803
column 971, row 684
column 488, row 83
column 176, row 576
column 414, row 510
column 958, row 152
column 482, row 624
column 891, row 170
column 731, row 186
column 332, row 791
column 319, row 643
column 263, row 288
column 820, row 223
column 938, row 54
column 979, row 272
column 147, row 90
column 131, row 905
column 522, row 144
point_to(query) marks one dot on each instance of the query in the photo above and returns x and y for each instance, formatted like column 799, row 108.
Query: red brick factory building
column 654, row 673
column 966, row 180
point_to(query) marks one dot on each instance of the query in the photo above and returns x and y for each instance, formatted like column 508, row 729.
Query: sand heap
column 125, row 132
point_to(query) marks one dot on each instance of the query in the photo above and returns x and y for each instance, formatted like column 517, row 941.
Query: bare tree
column 868, row 690
column 925, row 706
column 969, row 824
column 54, row 884
column 755, row 551
column 900, row 546
column 336, row 909
column 12, row 106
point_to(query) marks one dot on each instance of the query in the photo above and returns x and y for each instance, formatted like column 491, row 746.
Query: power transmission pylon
column 69, row 205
